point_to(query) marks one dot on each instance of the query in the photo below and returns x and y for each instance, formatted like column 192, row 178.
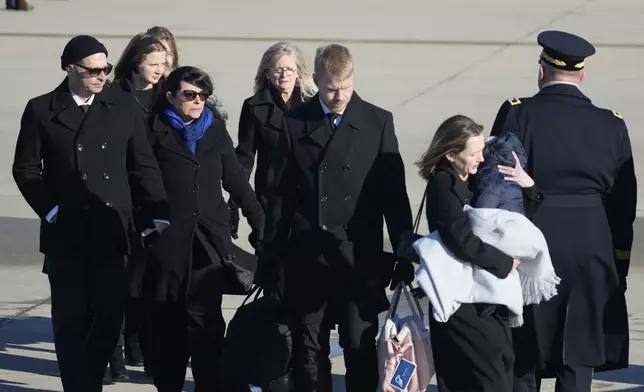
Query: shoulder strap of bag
column 419, row 215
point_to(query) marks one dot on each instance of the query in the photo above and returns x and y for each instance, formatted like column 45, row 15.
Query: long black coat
column 199, row 212
column 580, row 158
column 260, row 126
column 94, row 167
column 336, row 189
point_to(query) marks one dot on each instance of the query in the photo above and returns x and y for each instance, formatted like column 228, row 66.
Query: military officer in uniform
column 82, row 158
column 343, row 174
column 579, row 156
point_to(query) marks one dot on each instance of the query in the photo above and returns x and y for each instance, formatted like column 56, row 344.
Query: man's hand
column 622, row 286
column 403, row 272
column 160, row 225
column 516, row 263
column 255, row 240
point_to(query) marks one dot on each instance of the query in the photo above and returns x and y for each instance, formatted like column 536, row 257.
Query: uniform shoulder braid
column 514, row 101
column 617, row 114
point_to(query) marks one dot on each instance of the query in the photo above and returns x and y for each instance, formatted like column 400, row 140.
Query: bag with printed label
column 405, row 360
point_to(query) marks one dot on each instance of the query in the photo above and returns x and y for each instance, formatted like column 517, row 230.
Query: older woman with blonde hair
column 282, row 82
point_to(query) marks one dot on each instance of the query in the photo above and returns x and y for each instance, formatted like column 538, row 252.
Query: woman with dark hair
column 193, row 256
column 141, row 70
column 473, row 349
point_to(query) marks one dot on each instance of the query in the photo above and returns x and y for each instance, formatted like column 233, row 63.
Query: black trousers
column 192, row 329
column 473, row 350
column 571, row 379
column 357, row 328
column 87, row 306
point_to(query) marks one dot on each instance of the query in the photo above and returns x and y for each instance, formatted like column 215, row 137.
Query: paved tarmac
column 423, row 60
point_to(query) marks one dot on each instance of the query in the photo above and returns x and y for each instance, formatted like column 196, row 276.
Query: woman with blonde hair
column 166, row 37
column 282, row 82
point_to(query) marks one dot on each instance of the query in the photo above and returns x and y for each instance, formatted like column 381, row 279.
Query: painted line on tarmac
column 11, row 319
column 374, row 41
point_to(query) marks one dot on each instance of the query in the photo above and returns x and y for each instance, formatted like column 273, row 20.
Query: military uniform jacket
column 580, row 158
column 94, row 167
column 336, row 189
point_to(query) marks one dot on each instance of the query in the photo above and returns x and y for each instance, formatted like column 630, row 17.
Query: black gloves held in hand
column 403, row 273
column 234, row 219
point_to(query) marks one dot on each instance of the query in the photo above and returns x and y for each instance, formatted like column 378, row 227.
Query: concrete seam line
column 374, row 41
column 20, row 313
column 487, row 57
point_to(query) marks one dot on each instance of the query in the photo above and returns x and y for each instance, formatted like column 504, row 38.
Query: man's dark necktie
column 84, row 108
column 332, row 116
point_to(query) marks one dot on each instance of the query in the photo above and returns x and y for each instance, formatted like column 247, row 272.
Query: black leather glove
column 622, row 286
column 255, row 240
column 403, row 272
column 234, row 219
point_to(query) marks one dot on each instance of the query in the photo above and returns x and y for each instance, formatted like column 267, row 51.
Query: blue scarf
column 194, row 131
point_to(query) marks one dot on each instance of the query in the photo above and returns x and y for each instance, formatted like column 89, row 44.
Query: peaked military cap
column 564, row 50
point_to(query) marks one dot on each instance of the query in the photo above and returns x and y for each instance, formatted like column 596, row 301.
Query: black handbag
column 405, row 250
column 257, row 349
column 241, row 267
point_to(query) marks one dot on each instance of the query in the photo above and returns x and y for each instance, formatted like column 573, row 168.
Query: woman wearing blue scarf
column 194, row 261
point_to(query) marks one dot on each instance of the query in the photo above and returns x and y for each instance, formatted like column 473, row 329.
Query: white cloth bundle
column 450, row 282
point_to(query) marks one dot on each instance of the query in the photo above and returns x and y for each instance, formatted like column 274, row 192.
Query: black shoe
column 120, row 377
column 117, row 364
column 133, row 354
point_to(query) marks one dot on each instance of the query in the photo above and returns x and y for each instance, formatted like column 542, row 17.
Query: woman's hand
column 516, row 263
column 516, row 173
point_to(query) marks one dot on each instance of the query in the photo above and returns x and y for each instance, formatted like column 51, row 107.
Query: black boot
column 117, row 366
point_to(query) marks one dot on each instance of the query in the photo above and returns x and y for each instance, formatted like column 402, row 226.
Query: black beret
column 80, row 47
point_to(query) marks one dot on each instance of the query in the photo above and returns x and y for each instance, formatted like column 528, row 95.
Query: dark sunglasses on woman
column 190, row 95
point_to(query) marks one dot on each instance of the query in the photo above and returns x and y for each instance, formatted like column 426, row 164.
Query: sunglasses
column 190, row 95
column 93, row 72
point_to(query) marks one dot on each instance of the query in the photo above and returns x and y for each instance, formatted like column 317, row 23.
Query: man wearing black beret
column 82, row 158
column 580, row 158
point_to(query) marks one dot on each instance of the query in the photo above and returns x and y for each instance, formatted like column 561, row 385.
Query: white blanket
column 450, row 282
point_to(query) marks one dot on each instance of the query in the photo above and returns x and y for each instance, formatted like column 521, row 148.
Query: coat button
column 106, row 176
column 195, row 167
column 108, row 204
column 324, row 168
column 346, row 168
column 324, row 227
column 79, row 147
column 195, row 189
column 103, row 145
column 347, row 198
column 83, row 176
column 323, row 199
column 194, row 214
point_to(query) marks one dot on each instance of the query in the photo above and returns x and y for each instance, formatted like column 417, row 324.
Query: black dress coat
column 335, row 189
column 260, row 126
column 193, row 183
column 473, row 349
column 94, row 167
column 580, row 157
